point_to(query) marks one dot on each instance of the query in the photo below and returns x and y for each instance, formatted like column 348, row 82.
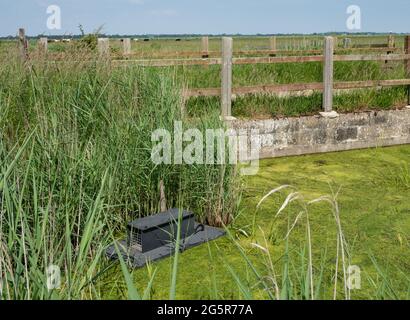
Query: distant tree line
column 194, row 35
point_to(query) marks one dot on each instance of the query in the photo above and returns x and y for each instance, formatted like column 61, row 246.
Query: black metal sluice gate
column 155, row 237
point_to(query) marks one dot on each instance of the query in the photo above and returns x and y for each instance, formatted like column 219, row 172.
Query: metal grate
column 136, row 239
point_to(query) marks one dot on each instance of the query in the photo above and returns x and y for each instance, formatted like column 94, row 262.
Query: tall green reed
column 75, row 166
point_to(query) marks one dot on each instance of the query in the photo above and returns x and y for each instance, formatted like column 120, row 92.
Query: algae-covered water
column 373, row 189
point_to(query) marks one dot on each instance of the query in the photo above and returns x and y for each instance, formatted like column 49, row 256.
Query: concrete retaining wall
column 316, row 134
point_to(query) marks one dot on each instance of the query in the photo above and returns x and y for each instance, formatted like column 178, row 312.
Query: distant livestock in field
column 58, row 40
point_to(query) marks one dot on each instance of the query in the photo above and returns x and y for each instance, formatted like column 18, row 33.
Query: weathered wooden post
column 390, row 45
column 407, row 65
column 391, row 42
column 43, row 45
column 407, row 51
column 126, row 46
column 226, row 97
column 162, row 197
column 347, row 43
column 328, row 75
column 272, row 42
column 272, row 45
column 23, row 45
column 104, row 47
column 205, row 47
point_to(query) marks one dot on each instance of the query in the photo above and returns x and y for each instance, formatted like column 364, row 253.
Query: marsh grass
column 303, row 271
column 75, row 167
column 309, row 284
column 398, row 176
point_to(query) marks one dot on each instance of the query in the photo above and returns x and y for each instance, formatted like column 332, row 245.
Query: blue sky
column 205, row 16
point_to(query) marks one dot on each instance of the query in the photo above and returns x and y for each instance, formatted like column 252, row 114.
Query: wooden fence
column 328, row 86
column 229, row 58
column 204, row 52
column 327, row 56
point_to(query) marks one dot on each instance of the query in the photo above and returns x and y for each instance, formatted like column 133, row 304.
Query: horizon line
column 209, row 34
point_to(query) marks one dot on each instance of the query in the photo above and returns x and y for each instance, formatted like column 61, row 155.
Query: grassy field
column 157, row 46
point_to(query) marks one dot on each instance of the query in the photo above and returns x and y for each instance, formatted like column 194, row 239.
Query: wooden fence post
column 272, row 45
column 335, row 42
column 390, row 45
column 126, row 46
column 328, row 75
column 407, row 65
column 391, row 42
column 205, row 47
column 43, row 45
column 347, row 43
column 227, row 46
column 104, row 46
column 407, row 51
column 23, row 45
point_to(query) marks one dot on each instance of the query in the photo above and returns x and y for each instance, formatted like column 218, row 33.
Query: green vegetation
column 75, row 167
column 268, row 106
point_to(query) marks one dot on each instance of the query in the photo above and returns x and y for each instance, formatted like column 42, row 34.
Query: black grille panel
column 135, row 240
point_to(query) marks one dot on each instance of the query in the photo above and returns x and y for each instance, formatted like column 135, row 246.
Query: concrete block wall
column 316, row 134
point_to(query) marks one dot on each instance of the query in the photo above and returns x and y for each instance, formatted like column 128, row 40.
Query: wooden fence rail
column 259, row 60
column 199, row 54
column 278, row 88
column 216, row 54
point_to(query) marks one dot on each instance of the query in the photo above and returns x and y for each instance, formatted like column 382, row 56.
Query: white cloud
column 164, row 13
